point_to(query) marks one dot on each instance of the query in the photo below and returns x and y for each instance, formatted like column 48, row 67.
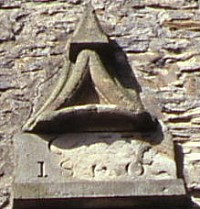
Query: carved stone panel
column 61, row 168
column 95, row 92
column 93, row 142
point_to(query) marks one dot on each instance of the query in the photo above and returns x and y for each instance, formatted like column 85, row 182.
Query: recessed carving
column 94, row 92
column 42, row 173
column 101, row 157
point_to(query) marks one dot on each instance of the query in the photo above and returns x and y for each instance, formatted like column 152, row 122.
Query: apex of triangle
column 89, row 29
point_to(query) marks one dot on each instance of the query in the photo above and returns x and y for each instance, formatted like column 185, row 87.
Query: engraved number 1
column 42, row 169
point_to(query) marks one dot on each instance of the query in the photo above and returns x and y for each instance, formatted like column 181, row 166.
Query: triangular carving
column 109, row 103
column 89, row 29
column 92, row 144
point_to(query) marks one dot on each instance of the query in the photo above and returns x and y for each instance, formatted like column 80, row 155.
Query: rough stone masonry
column 161, row 41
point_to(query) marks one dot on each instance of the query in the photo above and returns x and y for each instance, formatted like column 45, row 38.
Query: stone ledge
column 88, row 194
column 82, row 189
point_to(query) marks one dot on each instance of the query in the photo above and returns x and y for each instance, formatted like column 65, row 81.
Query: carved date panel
column 93, row 165
column 94, row 156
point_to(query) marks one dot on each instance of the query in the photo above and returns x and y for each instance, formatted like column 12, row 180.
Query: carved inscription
column 105, row 157
column 42, row 171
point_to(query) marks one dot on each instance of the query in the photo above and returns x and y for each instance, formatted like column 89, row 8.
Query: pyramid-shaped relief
column 93, row 144
column 93, row 93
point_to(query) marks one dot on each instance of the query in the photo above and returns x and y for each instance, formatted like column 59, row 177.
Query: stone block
column 93, row 170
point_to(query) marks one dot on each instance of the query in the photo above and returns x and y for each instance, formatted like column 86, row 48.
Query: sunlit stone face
column 111, row 156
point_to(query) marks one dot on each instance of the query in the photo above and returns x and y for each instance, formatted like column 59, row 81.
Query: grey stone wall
column 161, row 39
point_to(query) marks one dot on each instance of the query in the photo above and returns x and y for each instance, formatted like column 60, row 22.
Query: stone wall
column 160, row 38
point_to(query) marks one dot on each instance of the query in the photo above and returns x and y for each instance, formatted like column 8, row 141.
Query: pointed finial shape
column 89, row 29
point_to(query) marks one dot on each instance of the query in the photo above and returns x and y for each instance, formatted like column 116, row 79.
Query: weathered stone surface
column 133, row 45
column 37, row 32
column 91, row 198
column 97, row 156
column 192, row 164
column 171, row 4
column 111, row 157
column 93, row 165
column 10, row 4
column 4, row 198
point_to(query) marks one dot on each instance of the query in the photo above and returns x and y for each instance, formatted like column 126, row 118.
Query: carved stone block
column 93, row 144
column 89, row 170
